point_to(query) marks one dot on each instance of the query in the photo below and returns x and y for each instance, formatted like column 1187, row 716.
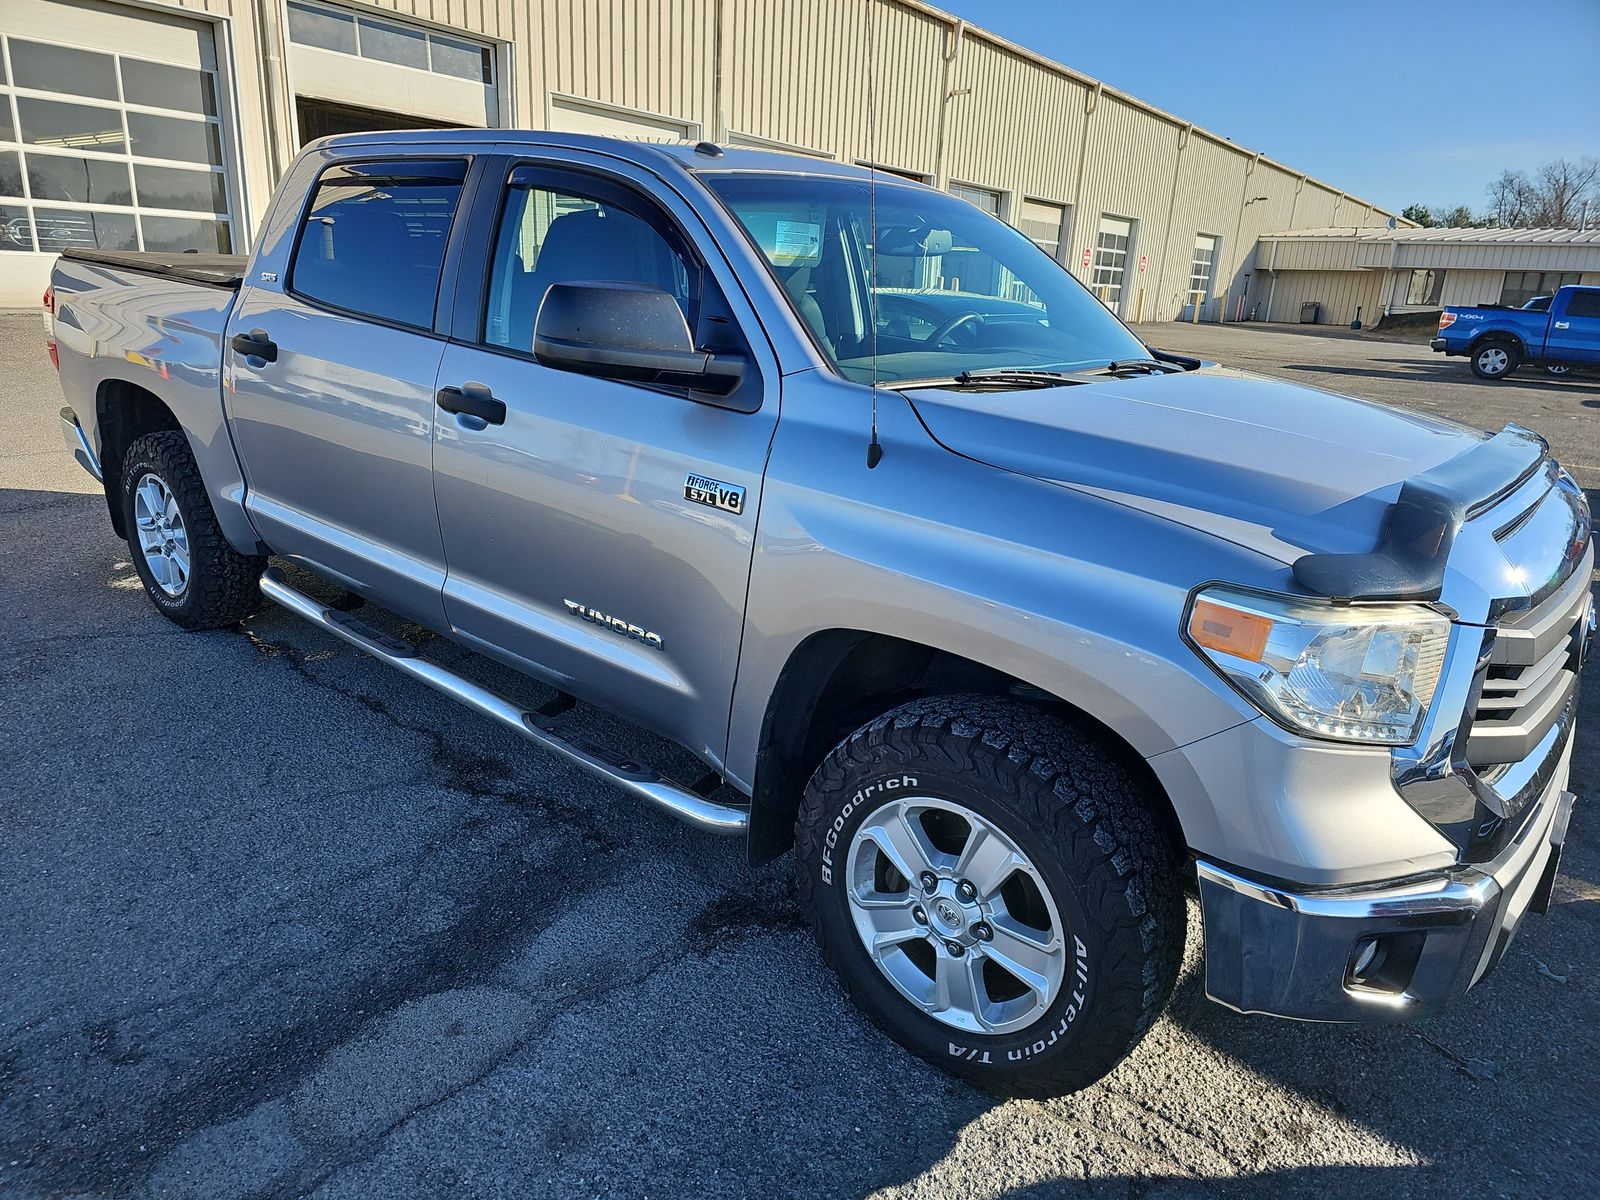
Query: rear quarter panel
column 162, row 335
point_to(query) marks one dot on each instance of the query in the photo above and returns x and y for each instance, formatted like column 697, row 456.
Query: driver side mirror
column 626, row 331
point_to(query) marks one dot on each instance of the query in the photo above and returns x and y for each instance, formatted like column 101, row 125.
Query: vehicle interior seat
column 591, row 244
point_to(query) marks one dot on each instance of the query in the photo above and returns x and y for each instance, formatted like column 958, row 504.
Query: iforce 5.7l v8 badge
column 714, row 493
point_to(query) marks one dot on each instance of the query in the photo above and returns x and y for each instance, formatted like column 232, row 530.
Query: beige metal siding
column 1338, row 292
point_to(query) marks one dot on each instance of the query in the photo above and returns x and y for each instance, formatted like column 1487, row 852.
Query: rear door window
column 373, row 238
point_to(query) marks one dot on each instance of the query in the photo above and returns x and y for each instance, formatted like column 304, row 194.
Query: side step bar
column 613, row 768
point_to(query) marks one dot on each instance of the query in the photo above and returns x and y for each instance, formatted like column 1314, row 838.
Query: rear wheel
column 1495, row 359
column 993, row 891
column 188, row 568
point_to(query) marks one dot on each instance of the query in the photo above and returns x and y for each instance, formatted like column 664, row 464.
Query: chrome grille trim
column 1532, row 674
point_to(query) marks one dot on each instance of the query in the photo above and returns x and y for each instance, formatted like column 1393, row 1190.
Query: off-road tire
column 1091, row 831
column 1485, row 363
column 223, row 585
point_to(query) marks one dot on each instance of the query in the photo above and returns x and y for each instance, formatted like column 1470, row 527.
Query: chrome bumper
column 1306, row 954
column 72, row 433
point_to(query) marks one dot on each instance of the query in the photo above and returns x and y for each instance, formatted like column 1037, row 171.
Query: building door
column 112, row 137
column 1111, row 261
column 1202, row 274
column 359, row 71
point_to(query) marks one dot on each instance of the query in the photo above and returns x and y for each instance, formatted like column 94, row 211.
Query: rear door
column 333, row 420
column 599, row 533
column 1574, row 326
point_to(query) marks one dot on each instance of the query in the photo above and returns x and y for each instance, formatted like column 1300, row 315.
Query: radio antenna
column 874, row 448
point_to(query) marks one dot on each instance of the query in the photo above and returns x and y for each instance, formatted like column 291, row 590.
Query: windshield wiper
column 1140, row 366
column 1015, row 378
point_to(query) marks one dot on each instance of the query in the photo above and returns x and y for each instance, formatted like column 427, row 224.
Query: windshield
column 955, row 289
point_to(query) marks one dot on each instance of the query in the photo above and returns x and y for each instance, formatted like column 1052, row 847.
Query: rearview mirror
column 626, row 331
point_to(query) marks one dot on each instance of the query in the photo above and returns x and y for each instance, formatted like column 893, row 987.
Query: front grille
column 1531, row 678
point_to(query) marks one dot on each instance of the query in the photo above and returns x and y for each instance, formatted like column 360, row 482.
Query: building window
column 913, row 176
column 1111, row 260
column 324, row 27
column 984, row 198
column 1522, row 286
column 1425, row 287
column 1045, row 225
column 1202, row 268
column 111, row 152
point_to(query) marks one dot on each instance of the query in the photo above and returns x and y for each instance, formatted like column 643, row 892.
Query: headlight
column 1356, row 673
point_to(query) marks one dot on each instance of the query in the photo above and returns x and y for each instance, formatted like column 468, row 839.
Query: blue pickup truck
column 1557, row 333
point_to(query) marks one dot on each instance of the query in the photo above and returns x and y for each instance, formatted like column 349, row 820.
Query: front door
column 333, row 420
column 599, row 533
column 1574, row 335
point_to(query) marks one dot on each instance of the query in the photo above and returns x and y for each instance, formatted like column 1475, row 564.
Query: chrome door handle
column 1563, row 324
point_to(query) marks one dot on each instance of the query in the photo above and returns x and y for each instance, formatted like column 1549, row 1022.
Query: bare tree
column 1552, row 198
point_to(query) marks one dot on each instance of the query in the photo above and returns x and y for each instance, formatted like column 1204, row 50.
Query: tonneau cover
column 213, row 270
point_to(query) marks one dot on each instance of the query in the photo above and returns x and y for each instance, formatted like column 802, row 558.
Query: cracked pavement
column 276, row 921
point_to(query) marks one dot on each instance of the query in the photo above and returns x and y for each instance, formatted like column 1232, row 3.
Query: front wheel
column 187, row 567
column 994, row 891
column 1495, row 359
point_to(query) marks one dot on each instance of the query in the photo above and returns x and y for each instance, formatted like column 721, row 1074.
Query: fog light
column 1362, row 958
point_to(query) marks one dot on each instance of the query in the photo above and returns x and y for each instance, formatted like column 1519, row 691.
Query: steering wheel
column 951, row 324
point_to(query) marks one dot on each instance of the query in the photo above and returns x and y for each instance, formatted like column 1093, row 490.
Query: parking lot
column 276, row 921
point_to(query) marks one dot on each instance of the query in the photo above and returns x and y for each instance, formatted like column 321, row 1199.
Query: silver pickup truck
column 1019, row 632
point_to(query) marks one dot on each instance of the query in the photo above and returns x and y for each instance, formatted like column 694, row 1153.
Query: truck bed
column 213, row 270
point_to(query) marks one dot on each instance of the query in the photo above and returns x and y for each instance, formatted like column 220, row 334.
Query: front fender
column 1077, row 595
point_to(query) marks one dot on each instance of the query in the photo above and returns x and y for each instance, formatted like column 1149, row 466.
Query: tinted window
column 553, row 234
column 1584, row 304
column 374, row 238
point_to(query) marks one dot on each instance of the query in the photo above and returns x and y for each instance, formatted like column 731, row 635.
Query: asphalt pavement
column 275, row 921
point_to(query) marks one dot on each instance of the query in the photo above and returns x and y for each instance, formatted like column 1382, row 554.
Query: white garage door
column 111, row 135
column 401, row 75
column 574, row 114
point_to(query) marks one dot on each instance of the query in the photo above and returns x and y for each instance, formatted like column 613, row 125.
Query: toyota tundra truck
column 1019, row 633
column 1556, row 332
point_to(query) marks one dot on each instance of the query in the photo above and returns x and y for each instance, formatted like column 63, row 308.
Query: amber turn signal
column 1217, row 627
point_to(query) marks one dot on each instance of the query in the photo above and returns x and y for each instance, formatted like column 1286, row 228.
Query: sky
column 1398, row 102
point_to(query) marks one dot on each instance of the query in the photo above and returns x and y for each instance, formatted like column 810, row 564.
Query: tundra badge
column 714, row 493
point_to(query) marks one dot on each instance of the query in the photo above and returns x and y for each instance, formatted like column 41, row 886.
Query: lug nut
column 966, row 891
column 920, row 917
column 982, row 932
column 929, row 881
column 956, row 949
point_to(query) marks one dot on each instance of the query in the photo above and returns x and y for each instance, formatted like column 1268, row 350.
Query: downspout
column 719, row 128
column 274, row 99
column 1091, row 101
column 1184, row 134
column 1272, row 272
column 953, row 37
column 1238, row 226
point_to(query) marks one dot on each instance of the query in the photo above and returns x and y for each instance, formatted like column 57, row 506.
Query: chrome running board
column 603, row 763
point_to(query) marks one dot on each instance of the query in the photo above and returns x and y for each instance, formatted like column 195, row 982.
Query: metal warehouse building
column 162, row 125
column 1373, row 271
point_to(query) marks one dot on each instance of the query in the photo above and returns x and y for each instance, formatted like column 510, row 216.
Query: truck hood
column 1280, row 468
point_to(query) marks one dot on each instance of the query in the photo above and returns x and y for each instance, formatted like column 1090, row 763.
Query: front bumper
column 1296, row 953
column 77, row 442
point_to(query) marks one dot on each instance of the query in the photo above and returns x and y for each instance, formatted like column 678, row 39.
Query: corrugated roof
column 1454, row 237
